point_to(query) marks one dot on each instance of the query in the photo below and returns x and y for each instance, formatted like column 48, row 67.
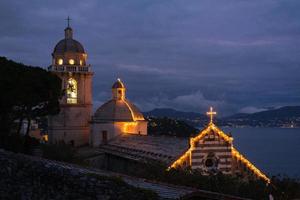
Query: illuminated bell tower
column 69, row 62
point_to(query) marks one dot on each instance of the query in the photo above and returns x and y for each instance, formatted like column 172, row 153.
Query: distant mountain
column 280, row 113
column 175, row 114
column 288, row 116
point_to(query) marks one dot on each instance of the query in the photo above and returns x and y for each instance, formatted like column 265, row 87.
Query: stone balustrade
column 70, row 68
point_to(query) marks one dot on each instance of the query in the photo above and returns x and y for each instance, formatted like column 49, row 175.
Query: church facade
column 212, row 151
column 116, row 117
column 69, row 62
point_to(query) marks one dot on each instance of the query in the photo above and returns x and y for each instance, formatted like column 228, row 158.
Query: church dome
column 68, row 44
column 118, row 110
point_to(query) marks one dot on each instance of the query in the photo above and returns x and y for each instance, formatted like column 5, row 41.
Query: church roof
column 160, row 148
column 68, row 45
column 239, row 157
column 212, row 128
column 118, row 110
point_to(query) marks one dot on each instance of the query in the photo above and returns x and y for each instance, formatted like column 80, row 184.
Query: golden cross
column 211, row 113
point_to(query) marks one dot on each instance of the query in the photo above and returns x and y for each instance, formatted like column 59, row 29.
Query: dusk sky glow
column 234, row 55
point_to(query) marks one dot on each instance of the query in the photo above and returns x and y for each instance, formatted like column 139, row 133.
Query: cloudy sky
column 236, row 55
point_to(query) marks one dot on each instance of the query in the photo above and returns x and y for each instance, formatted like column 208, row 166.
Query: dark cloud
column 235, row 55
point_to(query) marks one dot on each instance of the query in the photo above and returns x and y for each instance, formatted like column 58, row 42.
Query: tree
column 26, row 93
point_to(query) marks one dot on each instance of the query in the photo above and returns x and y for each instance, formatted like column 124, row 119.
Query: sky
column 235, row 55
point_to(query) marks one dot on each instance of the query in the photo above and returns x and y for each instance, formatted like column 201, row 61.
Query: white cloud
column 195, row 102
column 251, row 109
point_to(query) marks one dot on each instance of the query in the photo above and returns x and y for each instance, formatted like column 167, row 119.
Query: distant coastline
column 284, row 117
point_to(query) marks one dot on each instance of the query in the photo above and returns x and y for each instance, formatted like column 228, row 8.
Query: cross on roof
column 68, row 19
column 211, row 113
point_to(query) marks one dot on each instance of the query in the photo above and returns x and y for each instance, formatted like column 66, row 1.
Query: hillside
column 191, row 118
column 288, row 116
column 175, row 114
column 170, row 127
column 287, row 112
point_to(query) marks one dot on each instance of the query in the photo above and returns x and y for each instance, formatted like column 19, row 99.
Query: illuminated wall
column 113, row 129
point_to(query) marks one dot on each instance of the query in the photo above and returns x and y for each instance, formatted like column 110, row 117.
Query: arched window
column 72, row 91
column 71, row 62
column 60, row 61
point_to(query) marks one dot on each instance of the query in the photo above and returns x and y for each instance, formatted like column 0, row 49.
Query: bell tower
column 69, row 62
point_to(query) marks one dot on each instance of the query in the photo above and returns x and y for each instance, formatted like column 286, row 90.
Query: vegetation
column 170, row 127
column 18, row 143
column 27, row 93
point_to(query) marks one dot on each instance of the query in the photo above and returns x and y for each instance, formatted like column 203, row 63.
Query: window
column 71, row 62
column 72, row 91
column 104, row 137
column 60, row 61
column 80, row 62
column 209, row 162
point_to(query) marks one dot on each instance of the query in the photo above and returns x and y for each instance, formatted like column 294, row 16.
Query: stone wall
column 26, row 177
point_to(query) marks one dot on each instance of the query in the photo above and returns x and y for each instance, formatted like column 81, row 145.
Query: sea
column 273, row 150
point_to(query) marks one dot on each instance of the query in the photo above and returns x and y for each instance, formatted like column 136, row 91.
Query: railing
column 66, row 68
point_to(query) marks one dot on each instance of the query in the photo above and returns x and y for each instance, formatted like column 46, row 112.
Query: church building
column 212, row 151
column 117, row 116
column 69, row 62
column 118, row 129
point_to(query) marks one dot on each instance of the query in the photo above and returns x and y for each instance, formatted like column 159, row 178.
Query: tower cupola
column 69, row 51
column 118, row 90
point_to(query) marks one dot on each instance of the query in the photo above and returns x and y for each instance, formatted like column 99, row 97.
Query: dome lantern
column 118, row 90
column 68, row 33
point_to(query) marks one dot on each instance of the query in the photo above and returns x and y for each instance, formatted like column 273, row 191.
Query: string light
column 180, row 160
column 212, row 127
column 256, row 171
column 135, row 118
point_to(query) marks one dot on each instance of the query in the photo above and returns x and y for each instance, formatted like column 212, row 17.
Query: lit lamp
column 71, row 61
column 60, row 61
